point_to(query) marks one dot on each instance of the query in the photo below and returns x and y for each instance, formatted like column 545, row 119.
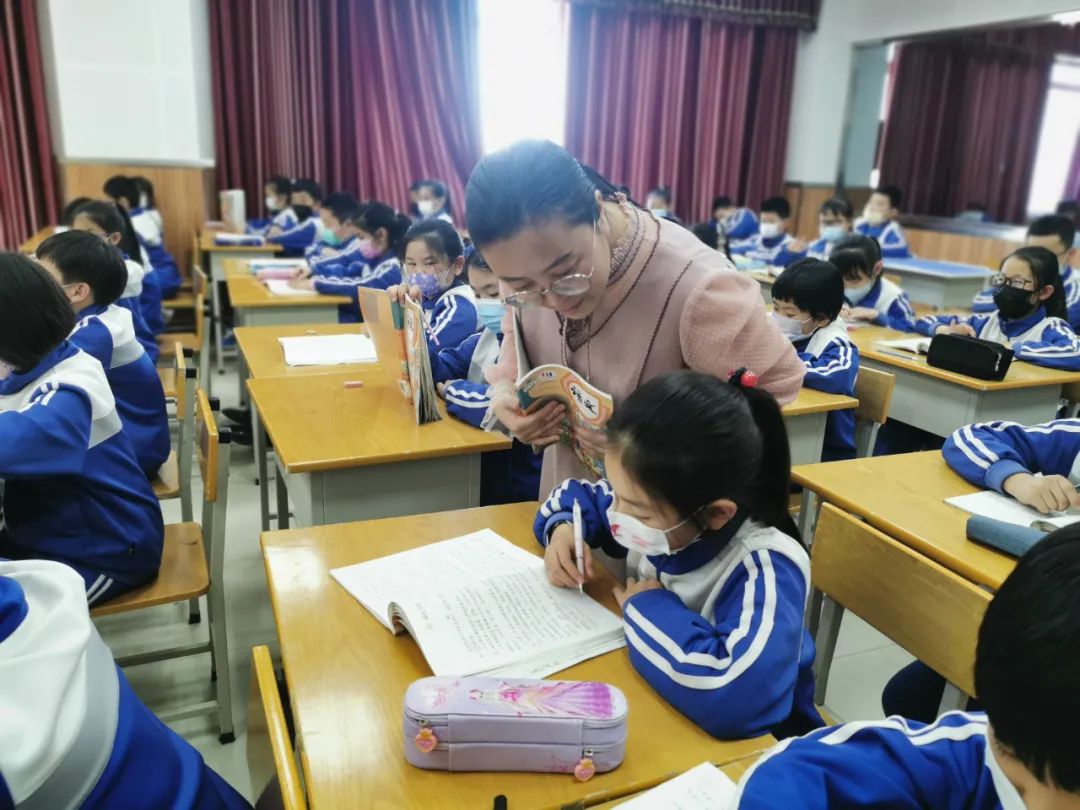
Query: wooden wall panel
column 958, row 247
column 186, row 197
column 805, row 202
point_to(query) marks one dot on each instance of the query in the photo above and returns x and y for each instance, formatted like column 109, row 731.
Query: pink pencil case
column 513, row 724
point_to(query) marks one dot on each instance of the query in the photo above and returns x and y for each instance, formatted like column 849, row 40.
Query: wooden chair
column 174, row 478
column 192, row 564
column 931, row 612
column 269, row 747
column 193, row 341
column 874, row 390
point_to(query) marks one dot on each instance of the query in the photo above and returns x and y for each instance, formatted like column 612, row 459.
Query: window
column 522, row 76
column 1057, row 137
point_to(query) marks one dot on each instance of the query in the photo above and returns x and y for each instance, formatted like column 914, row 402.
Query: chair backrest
column 928, row 610
column 200, row 284
column 874, row 391
column 186, row 383
column 207, row 445
column 269, row 749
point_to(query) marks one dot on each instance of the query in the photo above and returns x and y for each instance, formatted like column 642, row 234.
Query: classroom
column 539, row 404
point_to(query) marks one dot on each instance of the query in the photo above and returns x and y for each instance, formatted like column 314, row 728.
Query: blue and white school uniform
column 107, row 334
column 892, row 304
column 130, row 300
column 74, row 734
column 332, row 278
column 724, row 641
column 73, row 491
column 740, row 225
column 298, row 238
column 442, row 214
column 890, row 236
column 150, row 297
column 889, row 763
column 452, row 316
column 324, row 254
column 773, row 250
column 987, row 453
column 1070, row 282
column 820, row 249
column 284, row 220
column 150, row 238
column 832, row 364
column 1036, row 338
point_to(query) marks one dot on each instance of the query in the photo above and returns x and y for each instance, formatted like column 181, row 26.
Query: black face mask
column 302, row 212
column 1013, row 303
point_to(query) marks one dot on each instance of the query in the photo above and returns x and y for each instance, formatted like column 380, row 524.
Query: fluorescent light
column 1067, row 17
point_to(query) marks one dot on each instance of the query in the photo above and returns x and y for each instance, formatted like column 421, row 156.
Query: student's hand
column 302, row 273
column 595, row 441
column 863, row 314
column 273, row 230
column 441, row 388
column 398, row 292
column 539, row 428
column 302, row 283
column 560, row 562
column 213, row 225
column 1051, row 493
column 798, row 246
column 633, row 587
column 845, row 312
column 956, row 329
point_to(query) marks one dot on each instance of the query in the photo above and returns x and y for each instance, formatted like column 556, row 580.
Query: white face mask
column 425, row 207
column 6, row 370
column 857, row 294
column 832, row 233
column 770, row 229
column 791, row 327
column 632, row 534
column 271, row 204
column 143, row 201
column 1007, row 793
column 873, row 216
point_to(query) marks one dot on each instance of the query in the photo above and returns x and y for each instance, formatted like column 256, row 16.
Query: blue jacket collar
column 701, row 551
column 18, row 381
column 773, row 241
column 871, row 298
column 1020, row 325
column 93, row 309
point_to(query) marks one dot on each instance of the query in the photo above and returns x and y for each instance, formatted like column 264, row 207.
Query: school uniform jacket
column 773, row 250
column 1037, row 338
column 892, row 305
column 890, row 236
column 74, row 734
column 987, row 453
column 284, row 219
column 893, row 763
column 1070, row 280
column 724, row 641
column 129, row 300
column 106, row 333
column 820, row 249
column 332, row 278
column 740, row 225
column 150, row 238
column 832, row 364
column 150, row 297
column 299, row 237
column 73, row 491
column 452, row 316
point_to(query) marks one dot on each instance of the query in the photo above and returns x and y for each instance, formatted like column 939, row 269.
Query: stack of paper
column 327, row 350
column 278, row 286
column 276, row 268
column 1008, row 510
column 245, row 239
column 704, row 787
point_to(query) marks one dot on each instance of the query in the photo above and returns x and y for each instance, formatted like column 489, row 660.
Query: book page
column 381, row 317
column 327, row 350
column 227, row 238
column 914, row 345
column 1008, row 510
column 420, row 377
column 280, row 287
column 704, row 787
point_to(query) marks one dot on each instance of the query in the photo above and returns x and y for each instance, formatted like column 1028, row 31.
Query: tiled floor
column 864, row 658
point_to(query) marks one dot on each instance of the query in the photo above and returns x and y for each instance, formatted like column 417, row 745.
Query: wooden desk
column 213, row 263
column 904, row 496
column 940, row 284
column 31, row 244
column 733, row 770
column 805, row 419
column 357, row 453
column 347, row 675
column 255, row 305
column 765, row 281
column 941, row 401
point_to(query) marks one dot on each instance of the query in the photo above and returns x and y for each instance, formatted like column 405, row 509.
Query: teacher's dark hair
column 35, row 315
column 529, row 183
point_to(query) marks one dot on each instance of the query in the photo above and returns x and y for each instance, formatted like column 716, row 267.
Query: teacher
column 609, row 290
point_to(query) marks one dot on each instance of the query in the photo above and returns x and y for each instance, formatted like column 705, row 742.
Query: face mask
column 632, row 534
column 330, row 237
column 425, row 207
column 6, row 370
column 431, row 285
column 143, row 201
column 271, row 204
column 857, row 294
column 873, row 217
column 791, row 327
column 1006, row 791
column 770, row 229
column 489, row 313
column 1013, row 302
column 660, row 212
column 303, row 212
column 368, row 250
column 832, row 233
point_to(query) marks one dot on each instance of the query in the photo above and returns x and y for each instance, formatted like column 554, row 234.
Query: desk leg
column 282, row 499
column 808, row 515
column 806, row 437
column 258, row 443
column 218, row 326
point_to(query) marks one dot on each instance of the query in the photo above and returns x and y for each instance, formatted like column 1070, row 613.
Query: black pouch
column 982, row 359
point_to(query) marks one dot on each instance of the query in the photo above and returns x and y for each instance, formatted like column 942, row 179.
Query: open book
column 265, row 269
column 913, row 345
column 327, row 350
column 225, row 238
column 587, row 407
column 479, row 605
column 1001, row 507
column 704, row 787
column 280, row 287
column 401, row 344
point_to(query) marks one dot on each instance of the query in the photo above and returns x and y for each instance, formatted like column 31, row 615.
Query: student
column 92, row 275
column 773, row 244
column 1021, row 753
column 125, row 194
column 432, row 257
column 659, row 202
column 1030, row 312
column 74, row 733
column 870, row 297
column 338, row 242
column 740, row 224
column 1056, row 234
column 696, row 502
column 879, row 221
column 279, row 212
column 1070, row 209
column 974, row 212
column 67, row 216
column 306, row 197
column 707, row 234
column 807, row 298
column 147, row 201
column 141, row 296
column 73, row 491
column 834, row 223
column 433, row 201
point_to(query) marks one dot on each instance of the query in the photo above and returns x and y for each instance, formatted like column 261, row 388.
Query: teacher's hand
column 539, row 428
column 595, row 441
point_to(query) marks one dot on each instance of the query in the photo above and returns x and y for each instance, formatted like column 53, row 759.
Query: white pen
column 579, row 545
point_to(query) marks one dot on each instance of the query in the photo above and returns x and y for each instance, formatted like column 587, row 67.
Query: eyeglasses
column 571, row 285
column 999, row 280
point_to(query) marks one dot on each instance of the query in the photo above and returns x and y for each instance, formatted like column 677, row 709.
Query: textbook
column 279, row 286
column 587, row 407
column 704, row 787
column 226, row 239
column 479, row 605
column 1009, row 510
column 285, row 269
column 327, row 350
column 913, row 345
column 401, row 345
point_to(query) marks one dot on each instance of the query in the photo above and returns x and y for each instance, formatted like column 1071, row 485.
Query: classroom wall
column 824, row 57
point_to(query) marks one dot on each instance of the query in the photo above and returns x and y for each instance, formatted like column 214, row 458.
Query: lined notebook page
column 327, row 350
column 704, row 787
column 278, row 286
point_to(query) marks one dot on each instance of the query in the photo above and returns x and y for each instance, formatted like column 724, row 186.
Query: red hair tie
column 743, row 377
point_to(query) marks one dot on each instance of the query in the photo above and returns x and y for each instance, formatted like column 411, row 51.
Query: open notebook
column 479, row 605
column 280, row 287
column 1001, row 507
column 913, row 345
column 704, row 787
column 327, row 350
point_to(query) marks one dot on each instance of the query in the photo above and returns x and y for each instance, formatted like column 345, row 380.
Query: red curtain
column 28, row 199
column 693, row 103
column 363, row 95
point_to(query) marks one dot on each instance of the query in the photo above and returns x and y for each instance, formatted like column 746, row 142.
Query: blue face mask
column 857, row 294
column 330, row 237
column 489, row 313
column 832, row 233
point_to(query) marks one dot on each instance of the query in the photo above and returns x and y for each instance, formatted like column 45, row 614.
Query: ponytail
column 112, row 218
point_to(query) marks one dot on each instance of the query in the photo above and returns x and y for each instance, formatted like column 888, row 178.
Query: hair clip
column 743, row 377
